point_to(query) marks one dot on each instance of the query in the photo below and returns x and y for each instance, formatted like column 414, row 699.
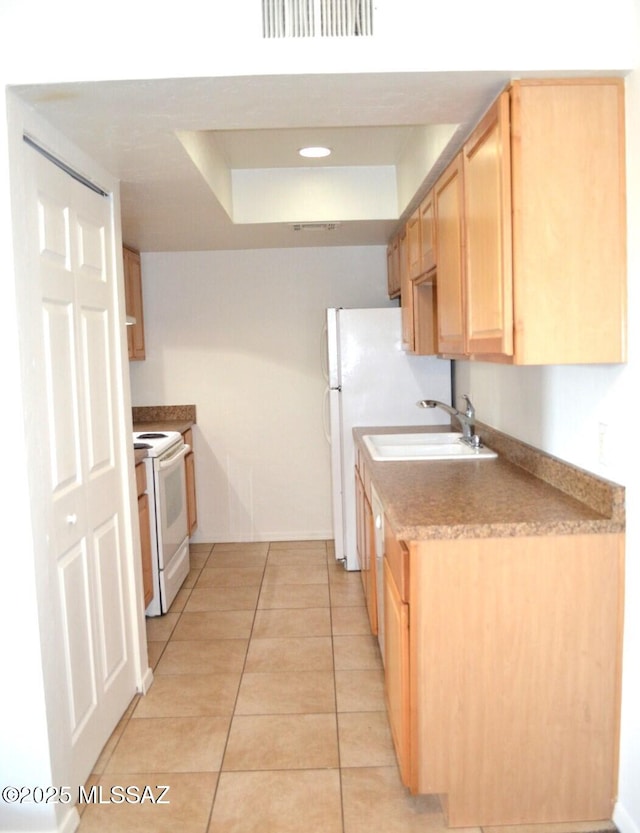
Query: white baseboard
column 146, row 681
column 263, row 538
column 623, row 821
column 70, row 820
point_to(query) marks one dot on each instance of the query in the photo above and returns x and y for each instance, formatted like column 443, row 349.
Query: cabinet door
column 192, row 514
column 360, row 529
column 141, row 479
column 145, row 548
column 406, row 293
column 414, row 245
column 448, row 199
column 133, row 303
column 427, row 217
column 393, row 269
column 425, row 322
column 365, row 546
column 425, row 328
column 569, row 221
column 487, row 232
column 370, row 583
column 190, row 473
column 396, row 678
column 359, row 520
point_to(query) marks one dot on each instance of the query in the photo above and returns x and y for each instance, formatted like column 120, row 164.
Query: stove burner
column 139, row 446
column 151, row 436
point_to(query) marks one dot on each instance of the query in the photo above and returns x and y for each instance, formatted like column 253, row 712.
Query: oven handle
column 167, row 463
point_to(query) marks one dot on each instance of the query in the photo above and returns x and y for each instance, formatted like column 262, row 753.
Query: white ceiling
column 256, row 122
column 277, row 148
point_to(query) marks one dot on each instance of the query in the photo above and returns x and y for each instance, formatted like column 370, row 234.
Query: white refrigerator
column 371, row 381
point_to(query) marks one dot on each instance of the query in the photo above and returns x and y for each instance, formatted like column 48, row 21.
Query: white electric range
column 166, row 487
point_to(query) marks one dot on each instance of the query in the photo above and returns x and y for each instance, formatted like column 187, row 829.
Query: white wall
column 240, row 335
column 562, row 410
column 41, row 40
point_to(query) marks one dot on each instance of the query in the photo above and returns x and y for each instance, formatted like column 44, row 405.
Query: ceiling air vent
column 311, row 18
column 315, row 226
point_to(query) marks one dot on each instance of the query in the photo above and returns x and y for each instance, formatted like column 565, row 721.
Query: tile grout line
column 235, row 702
column 131, row 709
column 335, row 689
column 327, row 569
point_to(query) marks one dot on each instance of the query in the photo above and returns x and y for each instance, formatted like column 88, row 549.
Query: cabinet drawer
column 141, row 479
column 397, row 556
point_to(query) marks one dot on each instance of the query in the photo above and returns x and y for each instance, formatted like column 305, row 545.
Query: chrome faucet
column 467, row 419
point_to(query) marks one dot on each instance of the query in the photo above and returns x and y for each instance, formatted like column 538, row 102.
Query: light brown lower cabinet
column 190, row 472
column 503, row 674
column 365, row 544
column 396, row 647
column 371, row 579
column 145, row 533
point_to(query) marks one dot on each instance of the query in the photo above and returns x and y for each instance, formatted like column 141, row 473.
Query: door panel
column 94, row 346
column 111, row 622
column 80, row 339
column 73, row 577
column 61, row 394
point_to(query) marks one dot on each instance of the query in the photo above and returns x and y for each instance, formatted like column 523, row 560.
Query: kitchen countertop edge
column 523, row 492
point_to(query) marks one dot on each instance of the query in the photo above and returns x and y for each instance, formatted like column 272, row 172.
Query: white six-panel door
column 76, row 278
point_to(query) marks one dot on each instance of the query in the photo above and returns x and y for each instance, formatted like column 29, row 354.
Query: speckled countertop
column 522, row 492
column 162, row 418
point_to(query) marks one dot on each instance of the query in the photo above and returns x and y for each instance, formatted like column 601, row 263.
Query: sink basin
column 423, row 446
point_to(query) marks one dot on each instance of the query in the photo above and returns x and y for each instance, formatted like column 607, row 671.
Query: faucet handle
column 471, row 411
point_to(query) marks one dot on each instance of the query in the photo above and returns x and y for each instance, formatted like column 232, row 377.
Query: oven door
column 171, row 502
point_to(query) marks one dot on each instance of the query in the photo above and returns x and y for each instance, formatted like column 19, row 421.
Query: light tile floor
column 267, row 708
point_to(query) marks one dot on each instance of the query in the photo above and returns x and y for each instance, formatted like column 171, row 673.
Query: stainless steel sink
column 423, row 446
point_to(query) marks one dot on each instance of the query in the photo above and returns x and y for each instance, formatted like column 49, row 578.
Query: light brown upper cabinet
column 425, row 324
column 449, row 229
column 393, row 268
column 426, row 214
column 406, row 296
column 424, row 279
column 518, row 253
column 542, row 278
column 133, row 303
column 487, row 217
column 414, row 245
column 411, row 262
column 569, row 221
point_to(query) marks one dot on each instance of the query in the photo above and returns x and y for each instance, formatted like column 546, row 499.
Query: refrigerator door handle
column 326, row 412
column 331, row 354
column 324, row 352
column 325, row 415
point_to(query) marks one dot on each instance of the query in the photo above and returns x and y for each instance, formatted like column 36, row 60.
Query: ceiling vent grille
column 309, row 18
column 315, row 226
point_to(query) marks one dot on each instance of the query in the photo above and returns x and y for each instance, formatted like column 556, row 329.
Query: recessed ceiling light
column 314, row 152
